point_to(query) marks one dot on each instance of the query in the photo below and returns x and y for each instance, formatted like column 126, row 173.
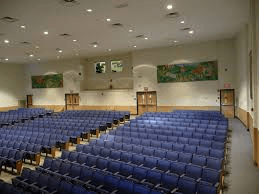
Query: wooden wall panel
column 242, row 115
column 4, row 109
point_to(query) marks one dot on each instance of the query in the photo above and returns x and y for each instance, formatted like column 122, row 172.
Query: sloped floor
column 244, row 176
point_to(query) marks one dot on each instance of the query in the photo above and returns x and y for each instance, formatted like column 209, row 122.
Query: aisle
column 244, row 176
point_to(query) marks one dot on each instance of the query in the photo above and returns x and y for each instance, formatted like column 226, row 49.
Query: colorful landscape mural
column 47, row 81
column 202, row 71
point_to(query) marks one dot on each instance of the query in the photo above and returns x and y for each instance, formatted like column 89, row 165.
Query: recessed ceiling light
column 108, row 19
column 31, row 55
column 182, row 22
column 89, row 10
column 6, row 41
column 109, row 49
column 60, row 51
column 95, row 45
column 175, row 41
column 77, row 54
column 58, row 57
column 74, row 40
column 134, row 46
column 6, row 59
column 46, row 32
column 37, row 47
column 146, row 38
column 130, row 30
column 23, row 27
column 191, row 32
column 169, row 6
column 38, row 59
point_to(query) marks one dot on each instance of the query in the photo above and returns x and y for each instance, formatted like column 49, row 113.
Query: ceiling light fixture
column 74, row 40
column 31, row 55
column 191, row 32
column 6, row 41
column 175, row 41
column 89, row 10
column 146, row 38
column 46, row 32
column 134, row 46
column 38, row 59
column 37, row 47
column 130, row 30
column 109, row 50
column 108, row 19
column 6, row 59
column 182, row 22
column 60, row 51
column 169, row 6
column 23, row 27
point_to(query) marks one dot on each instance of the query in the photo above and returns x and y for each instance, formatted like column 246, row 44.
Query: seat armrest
column 182, row 175
column 99, row 187
column 115, row 191
column 174, row 190
column 142, row 181
column 129, row 176
column 158, row 185
column 198, row 180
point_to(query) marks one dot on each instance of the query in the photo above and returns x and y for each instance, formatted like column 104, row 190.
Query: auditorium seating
column 178, row 152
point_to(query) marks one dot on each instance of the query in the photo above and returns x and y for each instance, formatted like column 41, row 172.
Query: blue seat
column 116, row 155
column 211, row 176
column 171, row 155
column 199, row 160
column 167, row 145
column 217, row 153
column 114, row 166
column 125, row 186
column 102, row 163
column 204, row 151
column 214, row 163
column 195, row 142
column 185, row 157
column 193, row 171
column 204, row 188
column 126, row 169
column 178, row 168
column 137, row 149
column 153, row 178
column 160, row 153
column 187, row 185
column 137, row 159
column 139, row 173
column 148, row 151
column 168, row 182
column 163, row 165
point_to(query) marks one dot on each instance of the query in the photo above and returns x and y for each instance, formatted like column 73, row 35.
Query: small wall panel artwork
column 47, row 81
column 201, row 71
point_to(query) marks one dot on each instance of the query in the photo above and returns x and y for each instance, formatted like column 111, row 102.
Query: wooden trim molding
column 4, row 109
column 255, row 146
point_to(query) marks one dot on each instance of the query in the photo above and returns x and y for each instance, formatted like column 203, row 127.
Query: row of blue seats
column 170, row 136
column 162, row 143
column 154, row 129
column 140, row 179
column 11, row 158
column 154, row 158
column 177, row 124
column 6, row 188
column 171, row 121
column 37, row 182
column 185, row 117
column 30, row 150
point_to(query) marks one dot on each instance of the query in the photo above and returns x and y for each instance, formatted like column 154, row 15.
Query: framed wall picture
column 100, row 67
column 116, row 66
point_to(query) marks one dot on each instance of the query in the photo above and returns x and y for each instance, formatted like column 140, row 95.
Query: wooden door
column 146, row 102
column 227, row 102
column 72, row 101
column 29, row 101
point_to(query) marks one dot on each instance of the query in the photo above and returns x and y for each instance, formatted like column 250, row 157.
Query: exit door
column 227, row 102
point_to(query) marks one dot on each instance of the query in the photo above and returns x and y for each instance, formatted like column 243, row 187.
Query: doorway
column 72, row 101
column 146, row 102
column 227, row 102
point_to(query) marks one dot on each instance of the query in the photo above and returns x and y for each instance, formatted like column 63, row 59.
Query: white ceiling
column 210, row 20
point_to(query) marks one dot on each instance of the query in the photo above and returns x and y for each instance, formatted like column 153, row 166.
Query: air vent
column 69, row 3
column 186, row 29
column 65, row 35
column 117, row 25
column 120, row 3
column 140, row 36
column 8, row 19
column 25, row 43
column 173, row 15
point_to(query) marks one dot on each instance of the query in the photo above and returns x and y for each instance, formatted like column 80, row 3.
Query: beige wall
column 12, row 84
